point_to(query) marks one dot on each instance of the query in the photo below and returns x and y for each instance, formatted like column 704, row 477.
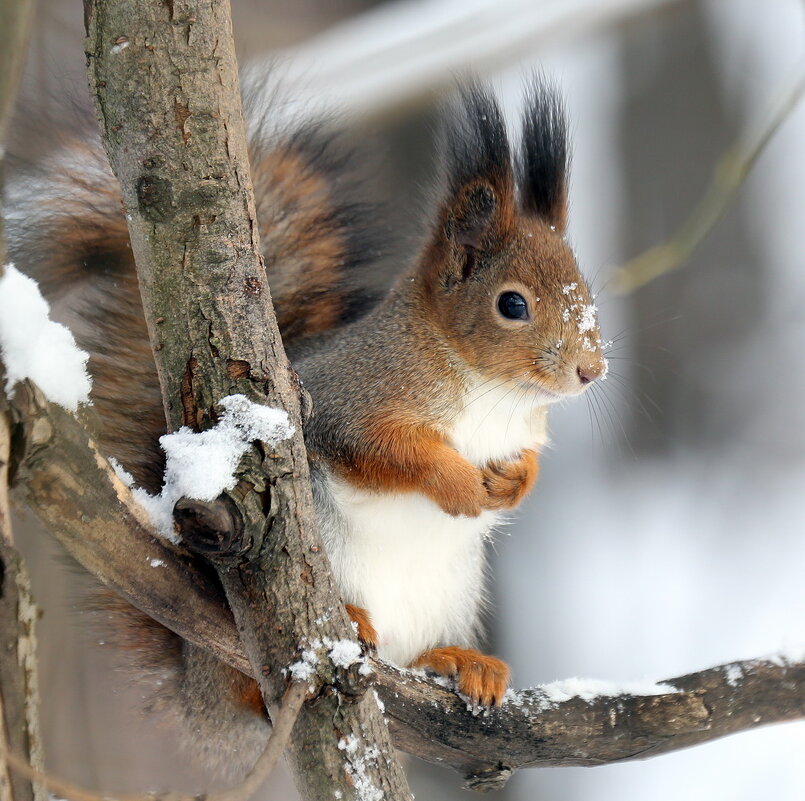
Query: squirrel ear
column 544, row 156
column 472, row 215
column 478, row 182
column 470, row 219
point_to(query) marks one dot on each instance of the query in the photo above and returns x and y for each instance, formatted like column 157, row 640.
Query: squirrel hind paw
column 480, row 677
column 367, row 633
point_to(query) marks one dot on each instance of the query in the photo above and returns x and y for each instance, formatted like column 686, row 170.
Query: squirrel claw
column 367, row 633
column 507, row 483
column 482, row 678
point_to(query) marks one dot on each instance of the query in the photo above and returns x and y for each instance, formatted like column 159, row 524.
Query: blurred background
column 666, row 534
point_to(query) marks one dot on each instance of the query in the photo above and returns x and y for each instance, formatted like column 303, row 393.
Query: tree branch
column 104, row 529
column 165, row 81
column 729, row 175
column 19, row 689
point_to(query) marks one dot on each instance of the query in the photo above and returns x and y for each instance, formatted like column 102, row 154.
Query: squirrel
column 429, row 404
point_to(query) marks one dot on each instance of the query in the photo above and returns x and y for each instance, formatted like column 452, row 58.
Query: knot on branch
column 155, row 198
column 353, row 682
column 330, row 667
column 211, row 528
column 486, row 781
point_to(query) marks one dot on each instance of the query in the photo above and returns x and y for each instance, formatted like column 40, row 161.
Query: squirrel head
column 497, row 277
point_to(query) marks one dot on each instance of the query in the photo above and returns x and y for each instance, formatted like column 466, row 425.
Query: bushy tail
column 66, row 227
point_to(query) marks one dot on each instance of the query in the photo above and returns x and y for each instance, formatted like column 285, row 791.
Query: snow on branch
column 203, row 464
column 34, row 346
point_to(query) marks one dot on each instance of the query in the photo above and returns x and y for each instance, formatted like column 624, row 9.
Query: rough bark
column 166, row 86
column 19, row 693
column 101, row 526
column 19, row 690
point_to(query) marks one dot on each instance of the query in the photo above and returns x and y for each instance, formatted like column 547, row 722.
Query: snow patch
column 32, row 346
column 305, row 668
column 341, row 653
column 794, row 655
column 360, row 759
column 733, row 674
column 345, row 653
column 589, row 689
column 202, row 465
column 587, row 318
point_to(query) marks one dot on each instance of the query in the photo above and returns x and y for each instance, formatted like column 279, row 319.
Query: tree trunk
column 166, row 86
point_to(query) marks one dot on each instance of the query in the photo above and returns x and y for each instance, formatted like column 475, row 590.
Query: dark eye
column 513, row 306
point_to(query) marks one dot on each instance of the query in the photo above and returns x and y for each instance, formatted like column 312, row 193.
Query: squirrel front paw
column 459, row 489
column 507, row 483
column 482, row 678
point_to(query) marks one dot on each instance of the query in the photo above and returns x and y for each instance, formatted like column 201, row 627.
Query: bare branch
column 284, row 721
column 728, row 177
column 426, row 719
column 19, row 685
column 16, row 17
column 19, row 689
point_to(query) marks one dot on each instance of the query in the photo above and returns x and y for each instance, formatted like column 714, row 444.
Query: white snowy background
column 658, row 542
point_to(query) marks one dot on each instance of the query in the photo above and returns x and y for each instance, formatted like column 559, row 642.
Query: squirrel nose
column 589, row 372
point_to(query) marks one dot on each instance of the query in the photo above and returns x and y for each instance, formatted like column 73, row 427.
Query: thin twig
column 728, row 177
column 283, row 726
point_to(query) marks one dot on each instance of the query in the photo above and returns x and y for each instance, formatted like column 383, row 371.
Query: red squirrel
column 429, row 405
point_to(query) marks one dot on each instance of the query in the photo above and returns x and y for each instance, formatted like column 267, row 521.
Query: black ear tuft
column 475, row 142
column 545, row 154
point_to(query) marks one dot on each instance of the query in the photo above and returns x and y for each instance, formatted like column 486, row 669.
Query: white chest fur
column 497, row 422
column 417, row 570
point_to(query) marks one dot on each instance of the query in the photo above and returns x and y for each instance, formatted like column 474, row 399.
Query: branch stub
column 212, row 528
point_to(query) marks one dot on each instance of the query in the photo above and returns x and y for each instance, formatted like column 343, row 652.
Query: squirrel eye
column 513, row 306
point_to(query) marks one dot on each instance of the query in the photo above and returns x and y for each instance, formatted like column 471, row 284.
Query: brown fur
column 507, row 483
column 482, row 678
column 302, row 261
column 366, row 631
column 409, row 458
